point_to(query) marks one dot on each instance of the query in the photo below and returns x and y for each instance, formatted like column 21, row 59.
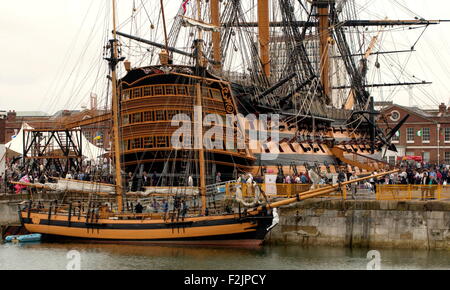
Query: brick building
column 426, row 133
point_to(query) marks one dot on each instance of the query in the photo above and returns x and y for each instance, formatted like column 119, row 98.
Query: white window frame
column 447, row 157
column 423, row 135
column 447, row 130
column 408, row 135
column 429, row 156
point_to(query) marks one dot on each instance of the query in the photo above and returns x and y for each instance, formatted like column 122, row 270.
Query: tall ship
column 272, row 89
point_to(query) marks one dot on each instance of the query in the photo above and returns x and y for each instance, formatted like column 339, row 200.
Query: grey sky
column 51, row 50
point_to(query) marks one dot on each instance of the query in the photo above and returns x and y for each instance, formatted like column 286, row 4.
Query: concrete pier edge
column 364, row 224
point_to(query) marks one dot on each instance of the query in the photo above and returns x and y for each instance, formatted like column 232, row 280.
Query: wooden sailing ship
column 146, row 99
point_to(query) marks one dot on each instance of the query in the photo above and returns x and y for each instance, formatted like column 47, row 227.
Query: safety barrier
column 383, row 191
column 274, row 190
column 412, row 191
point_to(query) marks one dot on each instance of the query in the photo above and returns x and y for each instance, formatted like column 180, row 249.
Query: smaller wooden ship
column 143, row 104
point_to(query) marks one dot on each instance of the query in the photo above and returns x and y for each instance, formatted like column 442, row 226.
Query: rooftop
column 31, row 114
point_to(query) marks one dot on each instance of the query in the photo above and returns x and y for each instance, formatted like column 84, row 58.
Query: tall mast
column 115, row 112
column 199, row 143
column 166, row 42
column 215, row 20
column 323, row 13
column 199, row 121
column 201, row 62
column 264, row 35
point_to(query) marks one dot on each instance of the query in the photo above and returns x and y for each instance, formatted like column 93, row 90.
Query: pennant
column 185, row 2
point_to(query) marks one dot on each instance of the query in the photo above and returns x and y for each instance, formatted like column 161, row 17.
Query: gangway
column 320, row 191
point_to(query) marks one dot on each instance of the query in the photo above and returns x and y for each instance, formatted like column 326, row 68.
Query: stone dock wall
column 371, row 224
column 8, row 213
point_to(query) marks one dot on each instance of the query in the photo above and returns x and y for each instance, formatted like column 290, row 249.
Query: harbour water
column 55, row 256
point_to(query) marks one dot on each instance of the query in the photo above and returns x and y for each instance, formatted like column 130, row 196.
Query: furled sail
column 186, row 21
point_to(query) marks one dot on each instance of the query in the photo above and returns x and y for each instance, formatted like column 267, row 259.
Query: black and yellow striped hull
column 210, row 230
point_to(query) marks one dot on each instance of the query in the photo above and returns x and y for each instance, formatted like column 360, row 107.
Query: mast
column 201, row 62
column 199, row 143
column 264, row 35
column 199, row 121
column 323, row 13
column 115, row 112
column 215, row 20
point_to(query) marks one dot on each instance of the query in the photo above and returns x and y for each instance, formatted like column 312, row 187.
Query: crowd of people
column 410, row 173
column 43, row 174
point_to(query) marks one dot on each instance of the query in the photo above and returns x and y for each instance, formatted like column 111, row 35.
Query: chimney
column 442, row 108
column 11, row 115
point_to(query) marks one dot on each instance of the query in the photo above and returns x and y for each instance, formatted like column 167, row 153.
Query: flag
column 419, row 133
column 397, row 133
column 185, row 2
column 98, row 136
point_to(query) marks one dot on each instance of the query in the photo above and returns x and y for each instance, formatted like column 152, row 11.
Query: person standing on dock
column 373, row 182
column 353, row 185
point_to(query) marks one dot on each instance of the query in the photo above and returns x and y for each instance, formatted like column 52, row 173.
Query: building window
column 410, row 134
column 426, row 135
column 447, row 157
column 447, row 134
column 392, row 160
column 426, row 156
column 88, row 135
column 396, row 136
